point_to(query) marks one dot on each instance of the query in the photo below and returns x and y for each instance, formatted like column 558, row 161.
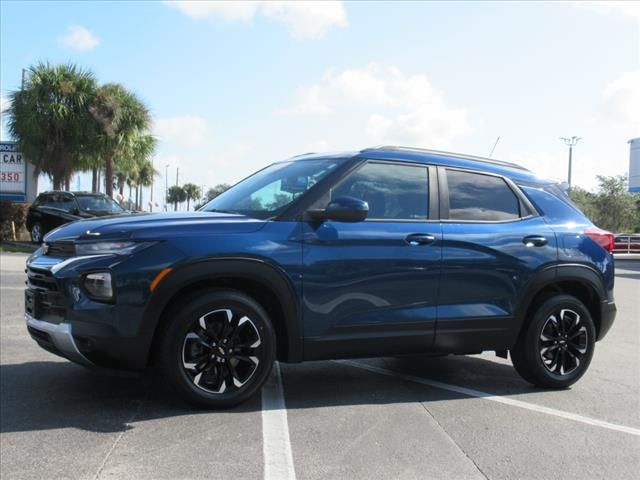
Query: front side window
column 61, row 202
column 478, row 197
column 268, row 192
column 98, row 204
column 393, row 192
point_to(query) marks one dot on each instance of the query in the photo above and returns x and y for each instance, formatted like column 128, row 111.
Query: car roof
column 436, row 157
column 83, row 194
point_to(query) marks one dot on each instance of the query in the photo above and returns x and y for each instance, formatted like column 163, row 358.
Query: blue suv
column 380, row 252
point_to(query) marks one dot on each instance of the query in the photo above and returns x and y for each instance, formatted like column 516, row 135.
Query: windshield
column 269, row 191
column 90, row 203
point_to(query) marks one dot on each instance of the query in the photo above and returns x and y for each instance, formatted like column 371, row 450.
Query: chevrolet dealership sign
column 13, row 173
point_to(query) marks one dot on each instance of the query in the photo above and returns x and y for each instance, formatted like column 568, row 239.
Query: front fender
column 256, row 269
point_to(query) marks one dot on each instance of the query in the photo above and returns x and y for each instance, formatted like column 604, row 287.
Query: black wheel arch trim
column 249, row 268
column 553, row 274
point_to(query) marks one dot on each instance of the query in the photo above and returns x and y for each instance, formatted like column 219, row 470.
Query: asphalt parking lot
column 450, row 418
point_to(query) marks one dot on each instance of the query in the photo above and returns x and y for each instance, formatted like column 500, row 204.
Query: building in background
column 17, row 181
column 634, row 165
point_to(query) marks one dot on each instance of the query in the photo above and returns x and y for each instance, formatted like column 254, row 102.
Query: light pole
column 570, row 142
column 166, row 185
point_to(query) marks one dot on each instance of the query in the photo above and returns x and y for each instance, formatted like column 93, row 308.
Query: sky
column 234, row 86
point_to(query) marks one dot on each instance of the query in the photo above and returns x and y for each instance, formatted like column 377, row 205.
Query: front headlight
column 108, row 248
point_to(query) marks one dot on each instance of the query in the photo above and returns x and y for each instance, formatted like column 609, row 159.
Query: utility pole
column 570, row 142
column 152, row 179
column 166, row 185
column 177, row 172
column 24, row 78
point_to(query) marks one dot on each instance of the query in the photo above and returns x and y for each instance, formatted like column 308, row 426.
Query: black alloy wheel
column 221, row 351
column 217, row 348
column 564, row 341
column 557, row 343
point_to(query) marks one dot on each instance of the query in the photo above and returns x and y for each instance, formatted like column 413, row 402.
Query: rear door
column 370, row 288
column 493, row 243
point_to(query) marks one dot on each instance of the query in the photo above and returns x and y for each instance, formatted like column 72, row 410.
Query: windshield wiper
column 216, row 210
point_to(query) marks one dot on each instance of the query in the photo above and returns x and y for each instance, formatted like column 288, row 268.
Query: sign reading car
column 13, row 173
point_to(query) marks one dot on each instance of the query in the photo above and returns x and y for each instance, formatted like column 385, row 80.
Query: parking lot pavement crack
column 458, row 447
column 126, row 427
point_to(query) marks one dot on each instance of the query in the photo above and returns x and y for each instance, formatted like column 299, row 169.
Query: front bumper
column 56, row 338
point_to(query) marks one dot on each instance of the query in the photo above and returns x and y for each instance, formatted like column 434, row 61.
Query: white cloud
column 79, row 38
column 307, row 101
column 227, row 10
column 185, row 130
column 310, row 19
column 625, row 8
column 303, row 19
column 385, row 104
column 4, row 103
column 621, row 100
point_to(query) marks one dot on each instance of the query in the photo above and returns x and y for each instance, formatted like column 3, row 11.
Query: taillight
column 601, row 237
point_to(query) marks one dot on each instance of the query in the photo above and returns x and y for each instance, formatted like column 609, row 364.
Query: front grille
column 41, row 279
column 61, row 249
column 43, row 297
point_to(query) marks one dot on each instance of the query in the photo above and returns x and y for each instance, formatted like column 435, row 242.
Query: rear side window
column 478, row 197
column 393, row 192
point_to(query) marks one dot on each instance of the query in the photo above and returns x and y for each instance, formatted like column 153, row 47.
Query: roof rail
column 440, row 152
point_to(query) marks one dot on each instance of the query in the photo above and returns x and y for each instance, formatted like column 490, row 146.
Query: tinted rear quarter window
column 479, row 197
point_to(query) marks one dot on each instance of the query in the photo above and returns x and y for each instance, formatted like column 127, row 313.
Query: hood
column 154, row 226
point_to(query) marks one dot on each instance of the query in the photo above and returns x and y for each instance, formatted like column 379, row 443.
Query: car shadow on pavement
column 51, row 395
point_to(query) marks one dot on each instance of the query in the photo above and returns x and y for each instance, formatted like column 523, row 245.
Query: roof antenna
column 494, row 146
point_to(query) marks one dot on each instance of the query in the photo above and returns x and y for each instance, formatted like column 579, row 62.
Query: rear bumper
column 607, row 316
column 56, row 338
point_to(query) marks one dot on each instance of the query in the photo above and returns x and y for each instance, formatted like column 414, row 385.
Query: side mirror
column 342, row 209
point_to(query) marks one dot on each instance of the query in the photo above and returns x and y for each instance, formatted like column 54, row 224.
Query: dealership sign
column 13, row 173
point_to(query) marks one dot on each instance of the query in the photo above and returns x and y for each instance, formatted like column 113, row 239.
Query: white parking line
column 495, row 398
column 278, row 459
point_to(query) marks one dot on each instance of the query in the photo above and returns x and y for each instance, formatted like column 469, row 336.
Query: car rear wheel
column 36, row 233
column 557, row 345
column 218, row 348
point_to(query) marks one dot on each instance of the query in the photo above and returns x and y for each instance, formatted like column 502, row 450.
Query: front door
column 371, row 287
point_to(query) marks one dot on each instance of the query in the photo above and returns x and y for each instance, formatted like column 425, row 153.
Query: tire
column 218, row 349
column 37, row 233
column 557, row 344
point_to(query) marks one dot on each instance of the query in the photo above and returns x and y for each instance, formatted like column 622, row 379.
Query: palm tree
column 122, row 119
column 175, row 195
column 50, row 119
column 192, row 191
column 146, row 174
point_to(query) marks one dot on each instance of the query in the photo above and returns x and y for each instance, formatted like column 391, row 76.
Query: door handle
column 534, row 241
column 416, row 239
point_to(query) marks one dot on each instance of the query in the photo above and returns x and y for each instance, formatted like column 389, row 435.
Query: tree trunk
column 94, row 179
column 175, row 206
column 98, row 189
column 108, row 176
column 67, row 183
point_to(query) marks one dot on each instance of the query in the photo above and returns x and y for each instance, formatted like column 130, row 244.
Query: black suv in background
column 52, row 209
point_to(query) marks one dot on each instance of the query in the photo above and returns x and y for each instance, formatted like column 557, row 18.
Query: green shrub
column 11, row 212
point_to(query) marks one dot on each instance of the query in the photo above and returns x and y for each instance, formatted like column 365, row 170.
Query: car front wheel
column 557, row 345
column 218, row 348
column 36, row 233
